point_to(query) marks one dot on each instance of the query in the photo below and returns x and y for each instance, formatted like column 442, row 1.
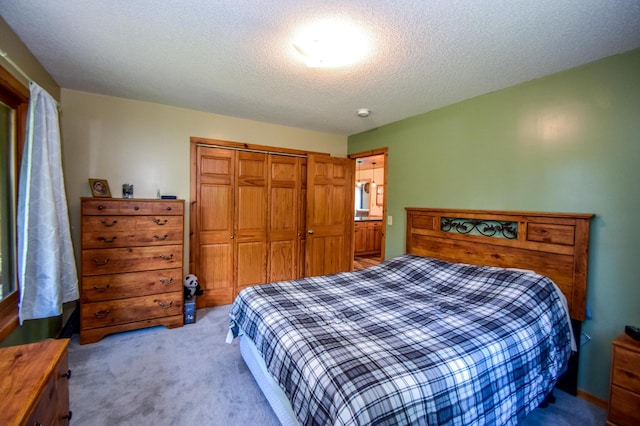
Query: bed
column 470, row 326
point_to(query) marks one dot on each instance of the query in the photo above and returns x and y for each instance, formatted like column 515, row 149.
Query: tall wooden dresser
column 132, row 265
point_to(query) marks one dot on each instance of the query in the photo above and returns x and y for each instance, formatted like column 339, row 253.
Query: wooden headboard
column 551, row 244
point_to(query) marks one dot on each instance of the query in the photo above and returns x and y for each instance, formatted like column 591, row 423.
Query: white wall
column 146, row 144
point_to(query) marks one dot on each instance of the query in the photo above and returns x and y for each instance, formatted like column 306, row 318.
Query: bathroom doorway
column 370, row 207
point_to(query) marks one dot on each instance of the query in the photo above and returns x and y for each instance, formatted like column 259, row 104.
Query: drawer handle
column 101, row 207
column 67, row 374
column 136, row 208
column 168, row 208
column 101, row 314
column 167, row 258
column 104, row 222
column 68, row 416
column 101, row 289
column 161, row 238
column 100, row 262
column 160, row 222
column 163, row 306
column 166, row 282
column 107, row 240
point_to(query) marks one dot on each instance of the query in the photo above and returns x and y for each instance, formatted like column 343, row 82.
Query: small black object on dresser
column 633, row 332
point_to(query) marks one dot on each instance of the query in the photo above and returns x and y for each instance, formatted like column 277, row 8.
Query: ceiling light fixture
column 363, row 112
column 330, row 44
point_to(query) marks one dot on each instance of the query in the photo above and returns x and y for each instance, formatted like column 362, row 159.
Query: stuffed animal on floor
column 191, row 287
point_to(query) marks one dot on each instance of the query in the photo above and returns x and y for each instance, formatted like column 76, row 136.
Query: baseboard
column 593, row 399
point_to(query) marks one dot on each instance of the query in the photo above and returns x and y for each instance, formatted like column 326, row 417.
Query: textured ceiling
column 235, row 57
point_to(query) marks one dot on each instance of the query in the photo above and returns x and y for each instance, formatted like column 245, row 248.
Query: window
column 7, row 213
column 14, row 97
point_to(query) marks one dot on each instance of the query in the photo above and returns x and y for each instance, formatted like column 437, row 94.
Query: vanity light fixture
column 373, row 180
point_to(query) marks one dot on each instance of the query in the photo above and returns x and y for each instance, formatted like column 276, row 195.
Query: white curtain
column 47, row 272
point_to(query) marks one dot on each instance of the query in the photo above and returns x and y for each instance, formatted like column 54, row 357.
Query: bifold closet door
column 212, row 248
column 250, row 219
column 251, row 213
column 284, row 228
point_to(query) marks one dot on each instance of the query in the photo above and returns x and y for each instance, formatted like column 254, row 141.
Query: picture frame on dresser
column 100, row 188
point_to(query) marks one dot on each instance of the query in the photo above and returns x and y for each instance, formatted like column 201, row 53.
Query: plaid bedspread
column 411, row 341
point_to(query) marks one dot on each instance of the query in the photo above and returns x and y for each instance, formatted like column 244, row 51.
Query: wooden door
column 330, row 198
column 251, row 213
column 213, row 210
column 284, row 202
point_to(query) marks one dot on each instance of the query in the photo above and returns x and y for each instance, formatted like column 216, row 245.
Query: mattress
column 275, row 395
column 410, row 341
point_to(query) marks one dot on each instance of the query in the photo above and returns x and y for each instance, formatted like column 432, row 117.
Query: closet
column 249, row 215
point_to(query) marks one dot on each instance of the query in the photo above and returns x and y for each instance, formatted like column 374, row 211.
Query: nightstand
column 624, row 394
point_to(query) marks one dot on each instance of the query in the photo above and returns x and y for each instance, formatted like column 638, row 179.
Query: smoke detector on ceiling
column 363, row 112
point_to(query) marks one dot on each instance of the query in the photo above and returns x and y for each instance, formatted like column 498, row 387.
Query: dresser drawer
column 626, row 369
column 623, row 407
column 132, row 259
column 125, row 231
column 131, row 207
column 62, row 389
column 97, row 288
column 45, row 412
column 122, row 311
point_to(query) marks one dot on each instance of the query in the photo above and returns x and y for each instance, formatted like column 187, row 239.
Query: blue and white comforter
column 411, row 341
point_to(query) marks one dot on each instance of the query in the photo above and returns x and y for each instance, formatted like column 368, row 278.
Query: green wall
column 568, row 142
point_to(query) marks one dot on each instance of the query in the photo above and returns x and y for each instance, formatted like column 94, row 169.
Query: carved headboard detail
column 551, row 244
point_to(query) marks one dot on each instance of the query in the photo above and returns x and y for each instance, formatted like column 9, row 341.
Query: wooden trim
column 593, row 399
column 12, row 90
column 253, row 147
column 501, row 214
column 551, row 244
column 8, row 315
column 370, row 153
column 194, row 224
column 379, row 151
column 16, row 95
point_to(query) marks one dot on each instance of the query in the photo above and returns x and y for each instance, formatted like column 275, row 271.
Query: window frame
column 16, row 95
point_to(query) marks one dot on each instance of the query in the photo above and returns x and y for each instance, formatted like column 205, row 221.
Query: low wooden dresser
column 34, row 384
column 132, row 265
column 624, row 394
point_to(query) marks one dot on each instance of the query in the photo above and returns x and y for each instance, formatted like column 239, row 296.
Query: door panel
column 283, row 260
column 251, row 258
column 329, row 240
column 251, row 219
column 284, row 202
column 214, row 211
